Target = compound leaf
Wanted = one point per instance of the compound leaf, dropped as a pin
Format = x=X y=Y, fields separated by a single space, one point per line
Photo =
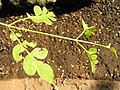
x=93 y=58
x=89 y=31
x=45 y=72
x=42 y=16
x=29 y=65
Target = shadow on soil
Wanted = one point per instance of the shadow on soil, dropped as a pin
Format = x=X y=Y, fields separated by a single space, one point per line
x=8 y=9
x=107 y=85
x=67 y=6
x=60 y=7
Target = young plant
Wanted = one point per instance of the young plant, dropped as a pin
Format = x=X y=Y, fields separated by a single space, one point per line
x=32 y=61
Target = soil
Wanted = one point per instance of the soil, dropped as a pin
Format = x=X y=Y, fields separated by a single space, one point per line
x=74 y=84
x=68 y=60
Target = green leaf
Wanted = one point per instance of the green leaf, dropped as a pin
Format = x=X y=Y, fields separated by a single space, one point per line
x=45 y=72
x=45 y=10
x=51 y=14
x=89 y=31
x=37 y=10
x=14 y=37
x=112 y=49
x=47 y=21
x=92 y=29
x=40 y=53
x=92 y=51
x=93 y=67
x=94 y=57
x=87 y=34
x=17 y=50
x=84 y=25
x=95 y=61
x=18 y=34
x=42 y=16
x=29 y=65
x=37 y=19
x=52 y=18
x=26 y=43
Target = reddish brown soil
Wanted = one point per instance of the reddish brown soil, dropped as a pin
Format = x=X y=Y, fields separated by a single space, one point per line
x=66 y=58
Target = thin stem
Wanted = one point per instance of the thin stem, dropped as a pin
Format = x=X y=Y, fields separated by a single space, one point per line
x=18 y=21
x=81 y=34
x=52 y=35
x=79 y=43
x=82 y=46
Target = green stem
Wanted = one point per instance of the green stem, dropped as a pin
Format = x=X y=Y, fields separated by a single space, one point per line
x=52 y=35
x=81 y=34
x=19 y=21
x=79 y=43
x=82 y=46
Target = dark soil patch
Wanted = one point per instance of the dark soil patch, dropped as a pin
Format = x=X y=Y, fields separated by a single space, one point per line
x=66 y=58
